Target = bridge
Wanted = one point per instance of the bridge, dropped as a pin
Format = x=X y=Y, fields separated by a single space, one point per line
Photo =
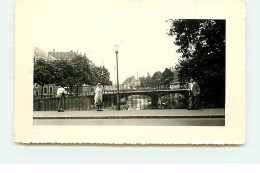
x=86 y=101
x=155 y=95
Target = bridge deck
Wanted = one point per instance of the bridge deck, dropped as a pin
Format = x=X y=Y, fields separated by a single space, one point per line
x=144 y=91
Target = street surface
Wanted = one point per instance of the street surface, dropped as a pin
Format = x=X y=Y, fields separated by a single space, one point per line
x=157 y=117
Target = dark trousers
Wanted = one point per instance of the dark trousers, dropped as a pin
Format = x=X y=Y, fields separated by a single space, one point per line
x=60 y=104
x=99 y=105
x=193 y=102
x=98 y=108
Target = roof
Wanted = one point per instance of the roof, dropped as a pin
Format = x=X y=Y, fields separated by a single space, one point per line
x=129 y=80
x=68 y=56
x=38 y=53
x=63 y=55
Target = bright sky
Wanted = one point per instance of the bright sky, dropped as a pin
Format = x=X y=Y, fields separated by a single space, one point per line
x=94 y=28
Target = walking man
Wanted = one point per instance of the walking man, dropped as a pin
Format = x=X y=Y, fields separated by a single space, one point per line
x=194 y=91
x=60 y=95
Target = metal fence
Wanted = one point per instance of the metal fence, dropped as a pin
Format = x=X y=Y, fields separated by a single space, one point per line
x=127 y=102
x=49 y=103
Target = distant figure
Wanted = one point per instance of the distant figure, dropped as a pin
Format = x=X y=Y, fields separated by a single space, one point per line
x=194 y=91
x=60 y=94
x=98 y=97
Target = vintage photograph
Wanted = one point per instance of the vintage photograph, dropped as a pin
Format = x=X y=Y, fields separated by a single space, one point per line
x=137 y=72
x=130 y=72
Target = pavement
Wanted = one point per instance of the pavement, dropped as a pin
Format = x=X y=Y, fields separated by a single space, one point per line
x=155 y=117
x=132 y=114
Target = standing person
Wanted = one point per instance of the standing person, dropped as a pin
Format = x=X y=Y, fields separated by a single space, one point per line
x=98 y=97
x=194 y=91
x=60 y=94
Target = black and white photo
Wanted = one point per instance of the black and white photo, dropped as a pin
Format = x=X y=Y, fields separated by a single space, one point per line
x=130 y=72
x=178 y=81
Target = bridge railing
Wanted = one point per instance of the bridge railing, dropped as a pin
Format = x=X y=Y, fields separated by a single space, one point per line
x=128 y=100
x=46 y=103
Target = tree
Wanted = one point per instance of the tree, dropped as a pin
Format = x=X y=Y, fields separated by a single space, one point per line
x=156 y=79
x=105 y=76
x=81 y=70
x=167 y=77
x=43 y=73
x=145 y=81
x=63 y=73
x=100 y=75
x=81 y=73
x=74 y=72
x=202 y=45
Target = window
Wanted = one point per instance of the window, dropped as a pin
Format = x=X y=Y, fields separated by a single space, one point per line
x=37 y=93
x=36 y=85
x=51 y=90
x=45 y=90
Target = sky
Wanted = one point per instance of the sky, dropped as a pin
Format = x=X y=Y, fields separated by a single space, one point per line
x=94 y=28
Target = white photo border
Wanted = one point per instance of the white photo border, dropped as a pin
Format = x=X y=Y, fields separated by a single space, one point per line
x=234 y=131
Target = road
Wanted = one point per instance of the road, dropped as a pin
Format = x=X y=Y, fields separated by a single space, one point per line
x=134 y=122
x=165 y=117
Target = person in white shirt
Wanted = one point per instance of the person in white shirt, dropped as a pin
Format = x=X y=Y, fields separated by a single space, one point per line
x=60 y=94
x=98 y=97
x=194 y=91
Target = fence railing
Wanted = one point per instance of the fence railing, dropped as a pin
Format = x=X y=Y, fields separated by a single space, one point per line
x=135 y=100
x=69 y=103
x=86 y=102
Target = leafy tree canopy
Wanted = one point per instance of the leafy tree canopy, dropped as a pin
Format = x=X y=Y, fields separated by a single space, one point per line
x=74 y=72
x=43 y=72
x=202 y=47
x=81 y=70
x=100 y=75
x=167 y=77
x=156 y=79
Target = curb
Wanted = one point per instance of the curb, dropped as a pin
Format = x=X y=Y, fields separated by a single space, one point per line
x=137 y=117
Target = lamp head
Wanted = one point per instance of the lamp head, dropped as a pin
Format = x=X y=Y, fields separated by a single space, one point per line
x=116 y=48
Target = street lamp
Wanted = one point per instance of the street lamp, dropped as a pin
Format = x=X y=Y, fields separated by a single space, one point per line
x=116 y=48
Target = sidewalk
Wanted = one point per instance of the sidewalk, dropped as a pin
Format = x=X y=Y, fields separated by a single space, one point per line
x=132 y=114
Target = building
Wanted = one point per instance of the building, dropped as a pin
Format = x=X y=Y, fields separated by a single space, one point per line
x=131 y=83
x=63 y=55
x=40 y=54
x=67 y=55
x=81 y=90
x=48 y=90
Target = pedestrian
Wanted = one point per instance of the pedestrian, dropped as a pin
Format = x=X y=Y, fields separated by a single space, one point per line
x=60 y=95
x=98 y=97
x=194 y=91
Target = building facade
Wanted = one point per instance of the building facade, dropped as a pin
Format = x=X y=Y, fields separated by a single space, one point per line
x=40 y=54
x=46 y=90
x=63 y=55
x=131 y=83
x=67 y=56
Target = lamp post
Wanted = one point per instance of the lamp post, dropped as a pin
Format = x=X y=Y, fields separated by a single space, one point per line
x=116 y=48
